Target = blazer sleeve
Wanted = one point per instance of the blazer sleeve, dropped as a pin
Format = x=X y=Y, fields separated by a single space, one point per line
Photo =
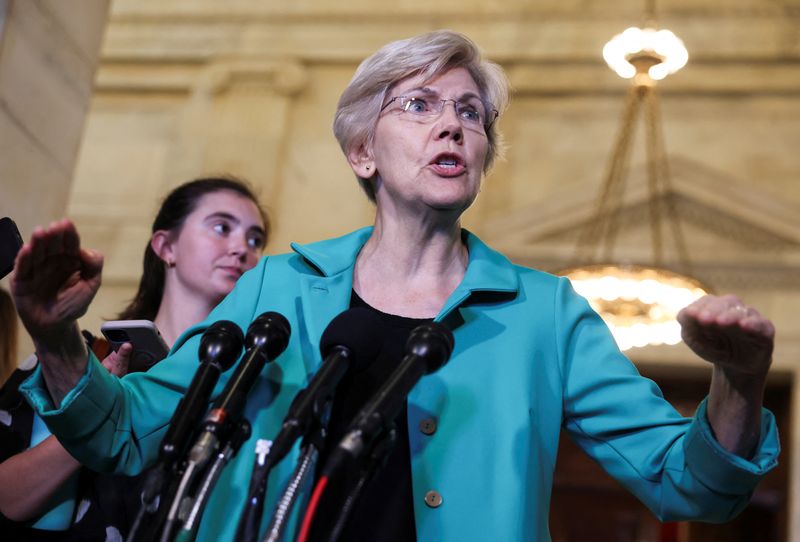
x=672 y=464
x=116 y=424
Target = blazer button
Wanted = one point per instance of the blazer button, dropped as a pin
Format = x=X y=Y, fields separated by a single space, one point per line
x=428 y=426
x=433 y=499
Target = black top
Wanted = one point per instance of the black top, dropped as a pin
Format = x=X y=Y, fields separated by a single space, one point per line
x=385 y=509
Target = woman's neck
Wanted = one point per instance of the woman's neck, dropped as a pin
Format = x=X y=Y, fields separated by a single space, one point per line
x=410 y=269
x=178 y=312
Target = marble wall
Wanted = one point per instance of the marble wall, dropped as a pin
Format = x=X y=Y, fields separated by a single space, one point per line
x=49 y=51
x=48 y=55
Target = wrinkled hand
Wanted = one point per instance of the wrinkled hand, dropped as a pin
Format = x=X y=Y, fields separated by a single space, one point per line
x=734 y=337
x=55 y=280
x=117 y=362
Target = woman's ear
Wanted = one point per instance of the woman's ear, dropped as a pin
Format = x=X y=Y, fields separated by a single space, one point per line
x=161 y=243
x=361 y=161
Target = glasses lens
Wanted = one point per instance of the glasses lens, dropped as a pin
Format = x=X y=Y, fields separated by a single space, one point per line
x=418 y=105
x=471 y=110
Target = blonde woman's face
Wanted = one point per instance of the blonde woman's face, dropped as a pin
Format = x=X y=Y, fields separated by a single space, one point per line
x=436 y=160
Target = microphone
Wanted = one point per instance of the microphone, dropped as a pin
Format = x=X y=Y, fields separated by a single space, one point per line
x=428 y=348
x=350 y=342
x=220 y=347
x=267 y=337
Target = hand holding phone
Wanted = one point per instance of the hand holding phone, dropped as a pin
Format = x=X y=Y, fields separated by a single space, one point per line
x=148 y=346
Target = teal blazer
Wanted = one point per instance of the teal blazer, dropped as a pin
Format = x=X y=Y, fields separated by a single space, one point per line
x=530 y=358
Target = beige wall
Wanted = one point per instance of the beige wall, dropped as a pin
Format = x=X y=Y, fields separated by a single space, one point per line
x=49 y=51
x=48 y=56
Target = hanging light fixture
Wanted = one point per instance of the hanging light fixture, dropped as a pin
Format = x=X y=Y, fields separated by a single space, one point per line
x=638 y=302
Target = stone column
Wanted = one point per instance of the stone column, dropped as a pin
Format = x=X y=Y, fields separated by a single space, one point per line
x=48 y=55
x=49 y=51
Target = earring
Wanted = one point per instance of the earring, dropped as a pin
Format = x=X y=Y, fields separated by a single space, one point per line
x=367 y=168
x=170 y=263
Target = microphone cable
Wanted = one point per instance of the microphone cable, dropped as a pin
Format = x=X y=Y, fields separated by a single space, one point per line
x=304 y=467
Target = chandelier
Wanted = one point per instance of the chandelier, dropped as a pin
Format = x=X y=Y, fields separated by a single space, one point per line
x=639 y=302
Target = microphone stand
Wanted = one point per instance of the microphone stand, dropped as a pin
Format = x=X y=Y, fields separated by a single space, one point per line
x=199 y=456
x=220 y=347
x=175 y=504
x=155 y=502
x=189 y=530
x=371 y=464
x=250 y=520
x=150 y=501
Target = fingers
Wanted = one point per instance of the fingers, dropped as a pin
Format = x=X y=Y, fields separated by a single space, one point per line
x=758 y=325
x=38 y=246
x=59 y=237
x=92 y=262
x=117 y=362
x=59 y=240
x=71 y=240
x=23 y=265
x=726 y=311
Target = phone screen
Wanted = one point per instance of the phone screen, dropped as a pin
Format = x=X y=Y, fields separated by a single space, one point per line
x=10 y=243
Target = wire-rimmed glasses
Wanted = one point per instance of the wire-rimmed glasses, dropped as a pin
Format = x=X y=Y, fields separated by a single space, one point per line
x=473 y=112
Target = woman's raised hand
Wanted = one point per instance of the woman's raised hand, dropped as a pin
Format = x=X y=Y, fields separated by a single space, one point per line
x=54 y=282
x=729 y=334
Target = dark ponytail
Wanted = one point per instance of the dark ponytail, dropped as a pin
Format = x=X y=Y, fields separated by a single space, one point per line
x=178 y=204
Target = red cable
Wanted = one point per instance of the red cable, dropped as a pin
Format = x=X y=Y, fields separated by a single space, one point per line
x=312 y=507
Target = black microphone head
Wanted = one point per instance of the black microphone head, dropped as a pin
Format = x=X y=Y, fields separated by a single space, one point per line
x=221 y=344
x=432 y=342
x=269 y=329
x=359 y=330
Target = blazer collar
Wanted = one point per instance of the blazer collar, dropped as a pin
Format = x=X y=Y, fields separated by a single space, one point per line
x=333 y=256
x=487 y=270
x=327 y=293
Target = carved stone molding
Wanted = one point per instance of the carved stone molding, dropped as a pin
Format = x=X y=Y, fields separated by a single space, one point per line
x=283 y=76
x=254 y=75
x=737 y=237
x=508 y=31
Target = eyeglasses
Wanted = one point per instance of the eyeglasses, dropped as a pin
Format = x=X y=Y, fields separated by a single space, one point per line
x=472 y=111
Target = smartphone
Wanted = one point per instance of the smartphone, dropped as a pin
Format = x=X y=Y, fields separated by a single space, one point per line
x=10 y=243
x=148 y=346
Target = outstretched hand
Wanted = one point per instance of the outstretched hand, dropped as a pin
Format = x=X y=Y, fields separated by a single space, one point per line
x=734 y=337
x=54 y=282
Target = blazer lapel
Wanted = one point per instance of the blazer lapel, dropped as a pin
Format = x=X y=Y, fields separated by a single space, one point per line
x=322 y=299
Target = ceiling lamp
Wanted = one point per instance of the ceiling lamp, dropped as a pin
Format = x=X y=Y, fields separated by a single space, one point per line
x=639 y=302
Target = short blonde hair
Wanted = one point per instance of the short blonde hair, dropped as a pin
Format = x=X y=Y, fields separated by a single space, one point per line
x=428 y=55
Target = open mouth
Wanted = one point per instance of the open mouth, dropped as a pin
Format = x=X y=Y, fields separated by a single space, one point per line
x=448 y=163
x=448 y=160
